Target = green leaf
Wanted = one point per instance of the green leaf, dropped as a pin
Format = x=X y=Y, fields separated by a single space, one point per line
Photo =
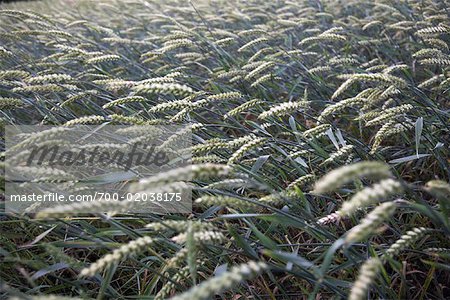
x=265 y=240
x=241 y=242
x=419 y=127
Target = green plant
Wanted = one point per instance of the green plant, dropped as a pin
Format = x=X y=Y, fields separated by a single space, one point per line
x=351 y=96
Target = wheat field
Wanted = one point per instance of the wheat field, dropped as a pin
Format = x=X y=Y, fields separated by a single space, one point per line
x=320 y=135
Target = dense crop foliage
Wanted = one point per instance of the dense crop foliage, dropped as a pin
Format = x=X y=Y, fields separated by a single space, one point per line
x=321 y=146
